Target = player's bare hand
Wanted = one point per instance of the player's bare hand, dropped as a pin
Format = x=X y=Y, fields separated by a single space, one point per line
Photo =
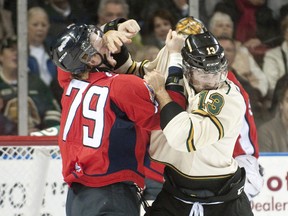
x=130 y=28
x=155 y=80
x=115 y=39
x=174 y=42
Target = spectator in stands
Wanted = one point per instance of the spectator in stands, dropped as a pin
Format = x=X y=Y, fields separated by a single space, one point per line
x=255 y=25
x=229 y=47
x=283 y=11
x=206 y=9
x=111 y=9
x=148 y=52
x=7 y=127
x=276 y=6
x=178 y=8
x=134 y=12
x=159 y=25
x=62 y=13
x=90 y=6
x=12 y=7
x=6 y=24
x=273 y=135
x=43 y=111
x=221 y=24
x=183 y=8
x=39 y=61
x=260 y=112
x=276 y=60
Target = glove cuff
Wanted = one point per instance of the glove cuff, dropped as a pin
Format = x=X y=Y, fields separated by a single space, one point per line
x=113 y=25
x=121 y=57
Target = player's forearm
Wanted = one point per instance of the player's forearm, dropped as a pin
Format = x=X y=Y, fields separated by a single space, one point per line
x=168 y=112
x=168 y=108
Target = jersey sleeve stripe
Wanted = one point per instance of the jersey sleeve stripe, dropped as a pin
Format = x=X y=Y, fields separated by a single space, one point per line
x=214 y=119
x=190 y=140
x=132 y=68
x=141 y=68
x=229 y=87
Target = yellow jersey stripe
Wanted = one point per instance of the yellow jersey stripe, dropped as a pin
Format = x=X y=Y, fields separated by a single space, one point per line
x=214 y=119
x=132 y=68
x=190 y=140
x=141 y=68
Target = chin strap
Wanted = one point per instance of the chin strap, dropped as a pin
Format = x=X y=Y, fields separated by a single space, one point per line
x=104 y=61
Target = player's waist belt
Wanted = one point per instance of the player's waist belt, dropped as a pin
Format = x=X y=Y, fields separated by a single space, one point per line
x=211 y=183
x=229 y=190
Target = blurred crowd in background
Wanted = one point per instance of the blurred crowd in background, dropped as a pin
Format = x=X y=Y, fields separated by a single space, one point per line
x=253 y=33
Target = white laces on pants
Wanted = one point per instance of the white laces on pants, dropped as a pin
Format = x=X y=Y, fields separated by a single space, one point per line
x=197 y=207
x=197 y=210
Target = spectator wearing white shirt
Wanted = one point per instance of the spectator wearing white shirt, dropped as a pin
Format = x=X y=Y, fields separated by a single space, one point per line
x=39 y=61
x=276 y=60
x=221 y=24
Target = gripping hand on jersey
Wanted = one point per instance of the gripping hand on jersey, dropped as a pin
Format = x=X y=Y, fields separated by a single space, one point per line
x=174 y=42
x=156 y=81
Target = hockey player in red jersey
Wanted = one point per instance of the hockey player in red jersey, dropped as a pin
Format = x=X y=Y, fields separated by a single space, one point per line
x=104 y=123
x=99 y=109
x=246 y=151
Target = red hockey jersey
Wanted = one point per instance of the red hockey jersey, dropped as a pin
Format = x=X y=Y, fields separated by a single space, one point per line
x=103 y=130
x=247 y=142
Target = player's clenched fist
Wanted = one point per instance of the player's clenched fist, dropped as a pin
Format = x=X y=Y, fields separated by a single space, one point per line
x=114 y=39
x=129 y=27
